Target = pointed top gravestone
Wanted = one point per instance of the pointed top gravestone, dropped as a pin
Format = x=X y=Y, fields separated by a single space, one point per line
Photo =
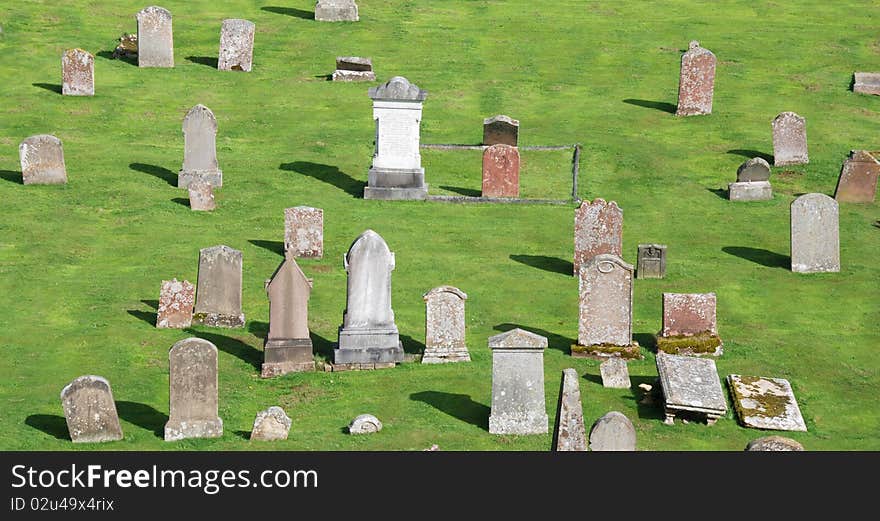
x=517 y=339
x=218 y=295
x=200 y=149
x=288 y=347
x=598 y=229
x=789 y=140
x=518 y=405
x=77 y=73
x=696 y=81
x=42 y=161
x=815 y=234
x=236 y=45
x=90 y=411
x=155 y=38
x=193 y=391
x=570 y=431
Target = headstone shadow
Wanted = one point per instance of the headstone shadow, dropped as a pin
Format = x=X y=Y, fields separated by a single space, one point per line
x=233 y=346
x=459 y=406
x=554 y=341
x=467 y=192
x=328 y=174
x=290 y=11
x=646 y=340
x=720 y=192
x=749 y=154
x=54 y=87
x=51 y=424
x=210 y=61
x=146 y=316
x=12 y=176
x=108 y=55
x=182 y=201
x=546 y=263
x=273 y=246
x=759 y=256
x=322 y=346
x=157 y=171
x=647 y=410
x=411 y=345
x=144 y=416
x=656 y=105
x=152 y=303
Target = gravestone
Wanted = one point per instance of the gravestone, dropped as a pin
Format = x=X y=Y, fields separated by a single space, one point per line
x=218 y=296
x=201 y=196
x=615 y=374
x=598 y=229
x=193 y=391
x=500 y=130
x=127 y=47
x=90 y=410
x=445 y=326
x=867 y=83
x=396 y=172
x=271 y=425
x=288 y=347
x=176 y=300
x=570 y=432
x=790 y=140
x=689 y=325
x=651 y=261
x=155 y=38
x=765 y=403
x=500 y=171
x=368 y=333
x=858 y=178
x=42 y=161
x=774 y=444
x=77 y=73
x=613 y=432
x=696 y=84
x=752 y=182
x=353 y=68
x=605 y=309
x=336 y=11
x=815 y=234
x=518 y=405
x=200 y=149
x=236 y=45
x=364 y=424
x=304 y=232
x=690 y=386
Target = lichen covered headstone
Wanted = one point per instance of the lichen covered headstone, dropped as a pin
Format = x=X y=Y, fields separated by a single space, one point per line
x=218 y=296
x=271 y=425
x=304 y=232
x=774 y=444
x=42 y=161
x=364 y=424
x=571 y=435
x=765 y=403
x=613 y=432
x=193 y=391
x=201 y=196
x=176 y=299
x=696 y=85
x=518 y=405
x=790 y=140
x=689 y=325
x=815 y=234
x=445 y=326
x=155 y=37
x=90 y=411
x=598 y=229
x=615 y=373
x=336 y=11
x=236 y=45
x=605 y=309
x=77 y=73
x=500 y=171
x=690 y=386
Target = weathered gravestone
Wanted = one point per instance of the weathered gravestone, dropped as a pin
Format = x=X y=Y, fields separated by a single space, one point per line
x=867 y=83
x=789 y=140
x=396 y=172
x=353 y=68
x=201 y=196
x=651 y=262
x=288 y=347
x=500 y=171
x=690 y=387
x=368 y=334
x=613 y=432
x=364 y=424
x=218 y=296
x=765 y=403
x=815 y=234
x=570 y=432
x=42 y=161
x=236 y=45
x=193 y=391
x=304 y=232
x=858 y=178
x=200 y=149
x=615 y=374
x=500 y=130
x=176 y=300
x=155 y=38
x=598 y=229
x=127 y=47
x=774 y=444
x=696 y=84
x=77 y=73
x=752 y=182
x=271 y=425
x=90 y=410
x=605 y=309
x=336 y=11
x=518 y=405
x=689 y=325
x=445 y=326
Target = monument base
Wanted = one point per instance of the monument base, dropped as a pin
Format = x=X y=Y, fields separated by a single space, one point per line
x=287 y=356
x=396 y=184
x=218 y=320
x=703 y=344
x=692 y=111
x=345 y=75
x=368 y=346
x=603 y=351
x=336 y=13
x=212 y=177
x=518 y=424
x=178 y=430
x=444 y=355
x=750 y=191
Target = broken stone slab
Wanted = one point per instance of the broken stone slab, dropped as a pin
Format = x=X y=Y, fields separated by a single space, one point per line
x=336 y=11
x=90 y=411
x=570 y=432
x=42 y=161
x=615 y=374
x=613 y=432
x=176 y=300
x=866 y=83
x=270 y=425
x=765 y=403
x=353 y=68
x=341 y=75
x=365 y=424
x=774 y=444
x=690 y=385
x=201 y=196
x=750 y=191
x=127 y=47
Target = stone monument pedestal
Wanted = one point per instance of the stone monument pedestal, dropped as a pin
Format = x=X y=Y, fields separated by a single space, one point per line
x=368 y=346
x=396 y=184
x=750 y=191
x=179 y=430
x=287 y=356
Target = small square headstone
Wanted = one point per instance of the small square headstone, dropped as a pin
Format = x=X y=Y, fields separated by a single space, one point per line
x=867 y=83
x=201 y=196
x=651 y=261
x=615 y=374
x=42 y=161
x=353 y=68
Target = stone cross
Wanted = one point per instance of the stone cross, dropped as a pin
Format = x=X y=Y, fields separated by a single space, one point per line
x=858 y=178
x=689 y=325
x=613 y=432
x=77 y=73
x=500 y=130
x=90 y=410
x=605 y=310
x=518 y=405
x=42 y=161
x=200 y=149
x=336 y=11
x=445 y=326
x=598 y=228
x=651 y=261
x=304 y=232
x=696 y=82
x=500 y=171
x=570 y=432
x=288 y=347
x=236 y=45
x=815 y=234
x=155 y=38
x=176 y=300
x=193 y=391
x=218 y=296
x=789 y=140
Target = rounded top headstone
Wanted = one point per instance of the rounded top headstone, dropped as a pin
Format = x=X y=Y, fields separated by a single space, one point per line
x=613 y=432
x=755 y=169
x=365 y=424
x=774 y=444
x=398 y=88
x=446 y=289
x=88 y=379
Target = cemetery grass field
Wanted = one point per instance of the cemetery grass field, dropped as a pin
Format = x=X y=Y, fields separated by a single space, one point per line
x=82 y=263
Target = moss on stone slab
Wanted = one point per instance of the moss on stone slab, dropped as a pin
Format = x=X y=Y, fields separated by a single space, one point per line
x=603 y=351
x=701 y=344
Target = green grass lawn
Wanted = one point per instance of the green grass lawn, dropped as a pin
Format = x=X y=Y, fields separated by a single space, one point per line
x=82 y=263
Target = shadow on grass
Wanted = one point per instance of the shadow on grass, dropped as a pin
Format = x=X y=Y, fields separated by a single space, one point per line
x=459 y=406
x=273 y=246
x=156 y=171
x=322 y=346
x=646 y=340
x=146 y=316
x=152 y=303
x=551 y=264
x=182 y=201
x=233 y=346
x=144 y=416
x=656 y=105
x=258 y=329
x=12 y=176
x=108 y=55
x=51 y=424
x=759 y=256
x=411 y=345
x=751 y=154
x=647 y=410
x=54 y=87
x=329 y=174
x=467 y=192
x=877 y=224
x=210 y=61
x=554 y=341
x=325 y=77
x=720 y=192
x=290 y=11
x=244 y=435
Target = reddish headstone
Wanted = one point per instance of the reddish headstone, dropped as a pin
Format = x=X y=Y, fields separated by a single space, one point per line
x=858 y=178
x=689 y=325
x=77 y=73
x=696 y=82
x=598 y=229
x=501 y=171
x=789 y=140
x=304 y=232
x=176 y=300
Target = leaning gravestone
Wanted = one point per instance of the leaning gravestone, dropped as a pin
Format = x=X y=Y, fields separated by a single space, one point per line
x=444 y=326
x=815 y=234
x=200 y=149
x=271 y=425
x=353 y=68
x=598 y=229
x=218 y=296
x=696 y=81
x=201 y=196
x=774 y=444
x=193 y=391
x=42 y=161
x=765 y=403
x=500 y=171
x=364 y=424
x=689 y=325
x=288 y=347
x=605 y=309
x=651 y=261
x=866 y=83
x=90 y=410
x=368 y=334
x=613 y=432
x=396 y=172
x=789 y=140
x=155 y=38
x=304 y=232
x=752 y=182
x=336 y=11
x=500 y=130
x=690 y=386
x=615 y=374
x=175 y=304
x=518 y=405
x=570 y=432
x=236 y=45
x=858 y=178
x=77 y=73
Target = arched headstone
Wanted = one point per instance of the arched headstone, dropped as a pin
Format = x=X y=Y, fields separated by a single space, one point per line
x=815 y=234
x=193 y=391
x=696 y=85
x=155 y=38
x=200 y=149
